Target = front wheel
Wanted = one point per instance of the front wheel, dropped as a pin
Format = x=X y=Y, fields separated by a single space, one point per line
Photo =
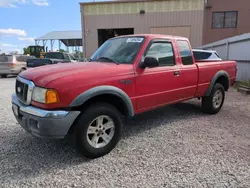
x=22 y=69
x=213 y=103
x=97 y=130
x=4 y=75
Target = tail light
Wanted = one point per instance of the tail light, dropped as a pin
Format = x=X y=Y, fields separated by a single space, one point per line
x=11 y=64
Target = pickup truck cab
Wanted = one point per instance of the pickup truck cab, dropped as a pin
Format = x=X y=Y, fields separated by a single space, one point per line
x=126 y=76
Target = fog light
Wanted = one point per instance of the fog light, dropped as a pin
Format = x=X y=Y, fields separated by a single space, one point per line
x=53 y=115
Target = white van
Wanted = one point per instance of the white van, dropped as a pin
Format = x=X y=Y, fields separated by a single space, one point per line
x=12 y=64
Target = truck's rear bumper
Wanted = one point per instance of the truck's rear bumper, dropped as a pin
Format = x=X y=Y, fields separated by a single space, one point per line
x=43 y=123
x=5 y=72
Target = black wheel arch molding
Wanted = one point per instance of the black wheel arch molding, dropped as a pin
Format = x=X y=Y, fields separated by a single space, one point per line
x=217 y=76
x=102 y=90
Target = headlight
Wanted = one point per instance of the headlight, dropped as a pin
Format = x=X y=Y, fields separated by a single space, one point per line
x=46 y=96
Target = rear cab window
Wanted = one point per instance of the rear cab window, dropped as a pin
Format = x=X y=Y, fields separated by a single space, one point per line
x=54 y=55
x=186 y=52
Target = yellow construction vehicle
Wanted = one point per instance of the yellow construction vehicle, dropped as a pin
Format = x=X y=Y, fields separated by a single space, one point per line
x=37 y=51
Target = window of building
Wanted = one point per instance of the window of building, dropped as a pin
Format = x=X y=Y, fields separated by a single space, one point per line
x=225 y=19
x=186 y=53
x=163 y=51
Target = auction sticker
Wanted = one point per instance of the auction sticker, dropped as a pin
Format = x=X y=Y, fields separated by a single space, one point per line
x=135 y=39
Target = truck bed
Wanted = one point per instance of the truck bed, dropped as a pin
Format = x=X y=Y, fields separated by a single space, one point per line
x=207 y=71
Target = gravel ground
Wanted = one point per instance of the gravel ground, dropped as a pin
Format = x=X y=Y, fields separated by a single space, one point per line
x=177 y=146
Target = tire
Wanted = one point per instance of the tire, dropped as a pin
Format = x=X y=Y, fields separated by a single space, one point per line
x=22 y=69
x=83 y=141
x=218 y=96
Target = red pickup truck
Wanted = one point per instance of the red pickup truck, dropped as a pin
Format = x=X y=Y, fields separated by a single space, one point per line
x=126 y=76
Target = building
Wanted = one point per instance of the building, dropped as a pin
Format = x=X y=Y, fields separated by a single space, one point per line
x=202 y=21
x=225 y=18
x=102 y=20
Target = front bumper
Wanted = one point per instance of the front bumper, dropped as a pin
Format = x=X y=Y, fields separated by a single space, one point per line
x=43 y=123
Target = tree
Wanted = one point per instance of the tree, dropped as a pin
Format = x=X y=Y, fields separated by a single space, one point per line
x=26 y=51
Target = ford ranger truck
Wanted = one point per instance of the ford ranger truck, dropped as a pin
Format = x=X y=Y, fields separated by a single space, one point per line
x=126 y=76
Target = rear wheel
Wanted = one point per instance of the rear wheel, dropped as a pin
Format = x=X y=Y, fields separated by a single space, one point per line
x=213 y=103
x=98 y=130
x=22 y=69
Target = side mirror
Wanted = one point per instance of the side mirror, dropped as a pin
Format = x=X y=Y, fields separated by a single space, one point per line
x=149 y=62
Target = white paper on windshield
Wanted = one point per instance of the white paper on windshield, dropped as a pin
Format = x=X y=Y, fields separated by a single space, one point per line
x=135 y=39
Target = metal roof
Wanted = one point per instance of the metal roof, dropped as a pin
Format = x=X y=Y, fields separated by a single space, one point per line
x=237 y=38
x=61 y=35
x=69 y=38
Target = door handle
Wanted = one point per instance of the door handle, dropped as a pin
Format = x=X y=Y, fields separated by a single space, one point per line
x=177 y=73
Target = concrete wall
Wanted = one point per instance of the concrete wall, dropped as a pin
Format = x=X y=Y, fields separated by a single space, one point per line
x=243 y=26
x=168 y=13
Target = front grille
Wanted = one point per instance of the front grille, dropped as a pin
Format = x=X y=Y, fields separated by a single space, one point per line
x=24 y=90
x=21 y=90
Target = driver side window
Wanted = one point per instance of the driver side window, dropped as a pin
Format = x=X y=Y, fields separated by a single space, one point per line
x=163 y=51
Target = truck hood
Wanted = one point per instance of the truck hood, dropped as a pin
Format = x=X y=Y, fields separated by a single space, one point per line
x=42 y=76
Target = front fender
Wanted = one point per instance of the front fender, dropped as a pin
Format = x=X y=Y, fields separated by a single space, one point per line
x=100 y=90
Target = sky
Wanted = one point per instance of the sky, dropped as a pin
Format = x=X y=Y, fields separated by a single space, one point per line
x=24 y=20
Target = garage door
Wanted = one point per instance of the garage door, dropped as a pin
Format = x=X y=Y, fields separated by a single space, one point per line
x=178 y=31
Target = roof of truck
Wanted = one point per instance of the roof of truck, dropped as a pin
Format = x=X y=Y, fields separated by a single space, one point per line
x=154 y=36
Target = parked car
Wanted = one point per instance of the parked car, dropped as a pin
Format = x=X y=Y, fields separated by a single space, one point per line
x=206 y=55
x=51 y=58
x=126 y=76
x=13 y=64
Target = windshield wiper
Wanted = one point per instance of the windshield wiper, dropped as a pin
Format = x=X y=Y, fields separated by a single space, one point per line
x=109 y=59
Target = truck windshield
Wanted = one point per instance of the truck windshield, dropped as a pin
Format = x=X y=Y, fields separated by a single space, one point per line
x=122 y=50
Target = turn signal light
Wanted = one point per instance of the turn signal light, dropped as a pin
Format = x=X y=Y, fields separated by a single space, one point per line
x=51 y=97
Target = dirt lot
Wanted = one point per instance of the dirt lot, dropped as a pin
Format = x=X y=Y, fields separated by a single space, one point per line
x=177 y=146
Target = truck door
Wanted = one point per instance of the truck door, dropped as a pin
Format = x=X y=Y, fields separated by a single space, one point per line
x=158 y=86
x=188 y=71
